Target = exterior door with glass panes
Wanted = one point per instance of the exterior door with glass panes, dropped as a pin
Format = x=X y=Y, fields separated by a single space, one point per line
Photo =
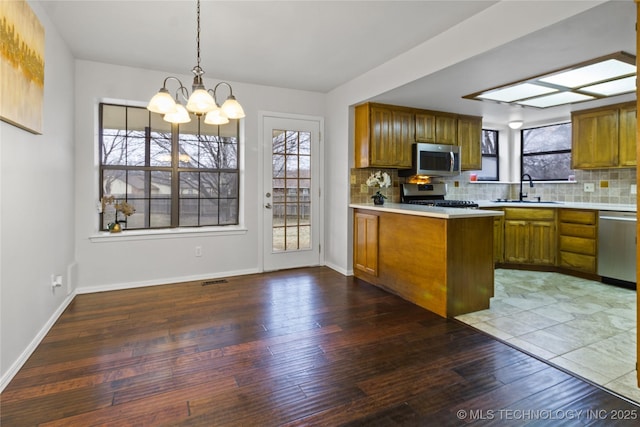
x=291 y=192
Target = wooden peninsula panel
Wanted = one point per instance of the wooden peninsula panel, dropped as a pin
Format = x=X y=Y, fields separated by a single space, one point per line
x=443 y=265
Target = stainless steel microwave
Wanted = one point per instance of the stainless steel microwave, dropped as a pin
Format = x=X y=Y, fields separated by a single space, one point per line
x=433 y=160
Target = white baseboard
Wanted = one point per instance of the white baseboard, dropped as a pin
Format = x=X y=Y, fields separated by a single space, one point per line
x=164 y=281
x=339 y=269
x=22 y=359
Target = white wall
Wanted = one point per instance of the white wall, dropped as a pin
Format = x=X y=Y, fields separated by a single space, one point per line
x=37 y=215
x=122 y=262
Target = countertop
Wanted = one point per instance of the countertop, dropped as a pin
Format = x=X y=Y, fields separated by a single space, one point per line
x=429 y=211
x=484 y=208
x=487 y=204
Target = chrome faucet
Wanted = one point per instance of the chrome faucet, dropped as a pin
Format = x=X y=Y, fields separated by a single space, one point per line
x=523 y=195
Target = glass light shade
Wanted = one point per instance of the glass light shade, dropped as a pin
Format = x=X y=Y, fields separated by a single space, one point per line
x=519 y=91
x=591 y=74
x=232 y=108
x=200 y=102
x=180 y=116
x=555 y=99
x=162 y=103
x=216 y=117
x=615 y=87
x=516 y=124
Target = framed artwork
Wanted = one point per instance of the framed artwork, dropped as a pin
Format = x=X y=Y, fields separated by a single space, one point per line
x=21 y=66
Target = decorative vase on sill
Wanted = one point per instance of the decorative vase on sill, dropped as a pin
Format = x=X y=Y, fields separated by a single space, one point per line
x=378 y=198
x=115 y=227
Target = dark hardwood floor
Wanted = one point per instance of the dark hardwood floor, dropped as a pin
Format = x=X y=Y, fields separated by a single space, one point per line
x=298 y=347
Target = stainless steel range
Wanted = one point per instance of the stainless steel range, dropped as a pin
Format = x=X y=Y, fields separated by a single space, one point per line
x=431 y=195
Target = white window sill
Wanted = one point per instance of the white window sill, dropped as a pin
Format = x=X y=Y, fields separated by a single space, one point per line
x=167 y=233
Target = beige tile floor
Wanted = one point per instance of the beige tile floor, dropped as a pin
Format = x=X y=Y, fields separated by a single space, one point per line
x=585 y=327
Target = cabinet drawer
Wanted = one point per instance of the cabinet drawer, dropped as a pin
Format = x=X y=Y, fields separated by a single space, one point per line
x=578 y=230
x=528 y=213
x=577 y=216
x=578 y=261
x=578 y=245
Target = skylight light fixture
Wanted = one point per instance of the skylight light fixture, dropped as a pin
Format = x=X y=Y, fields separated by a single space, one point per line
x=609 y=75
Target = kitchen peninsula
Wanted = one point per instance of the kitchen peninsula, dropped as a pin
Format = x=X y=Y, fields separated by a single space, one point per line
x=438 y=258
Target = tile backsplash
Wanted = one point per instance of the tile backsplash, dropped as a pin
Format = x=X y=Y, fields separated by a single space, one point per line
x=610 y=186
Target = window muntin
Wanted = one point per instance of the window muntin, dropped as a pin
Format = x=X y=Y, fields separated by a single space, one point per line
x=174 y=175
x=490 y=158
x=546 y=152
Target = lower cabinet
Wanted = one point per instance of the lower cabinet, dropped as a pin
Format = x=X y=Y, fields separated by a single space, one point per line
x=578 y=239
x=530 y=236
x=498 y=239
x=365 y=239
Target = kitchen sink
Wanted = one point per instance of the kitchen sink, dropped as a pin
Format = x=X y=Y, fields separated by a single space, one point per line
x=524 y=201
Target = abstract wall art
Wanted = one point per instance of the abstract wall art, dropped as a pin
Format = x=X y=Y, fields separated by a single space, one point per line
x=21 y=66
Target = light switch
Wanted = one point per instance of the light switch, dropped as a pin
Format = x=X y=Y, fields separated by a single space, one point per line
x=589 y=187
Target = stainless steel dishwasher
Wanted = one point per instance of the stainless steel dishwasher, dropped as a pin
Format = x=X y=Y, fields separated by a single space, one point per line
x=617 y=245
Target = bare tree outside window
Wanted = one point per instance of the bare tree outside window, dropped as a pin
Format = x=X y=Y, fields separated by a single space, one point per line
x=546 y=152
x=490 y=159
x=174 y=176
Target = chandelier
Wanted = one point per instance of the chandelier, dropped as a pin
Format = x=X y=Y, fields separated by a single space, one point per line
x=201 y=102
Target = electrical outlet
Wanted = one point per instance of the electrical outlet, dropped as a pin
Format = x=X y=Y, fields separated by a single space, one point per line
x=634 y=189
x=589 y=187
x=56 y=280
x=364 y=188
x=354 y=180
x=198 y=251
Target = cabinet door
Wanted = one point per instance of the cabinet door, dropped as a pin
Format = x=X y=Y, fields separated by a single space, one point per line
x=498 y=239
x=543 y=244
x=516 y=241
x=469 y=140
x=403 y=136
x=381 y=147
x=392 y=136
x=595 y=139
x=628 y=136
x=365 y=249
x=425 y=127
x=446 y=130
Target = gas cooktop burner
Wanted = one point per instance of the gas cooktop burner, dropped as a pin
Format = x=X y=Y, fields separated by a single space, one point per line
x=445 y=203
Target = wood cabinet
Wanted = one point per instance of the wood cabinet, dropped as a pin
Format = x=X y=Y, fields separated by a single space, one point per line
x=604 y=137
x=385 y=133
x=365 y=243
x=436 y=128
x=529 y=236
x=443 y=265
x=498 y=239
x=383 y=136
x=470 y=142
x=628 y=135
x=578 y=239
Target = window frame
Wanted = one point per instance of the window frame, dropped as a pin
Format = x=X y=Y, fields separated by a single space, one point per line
x=496 y=156
x=175 y=171
x=542 y=153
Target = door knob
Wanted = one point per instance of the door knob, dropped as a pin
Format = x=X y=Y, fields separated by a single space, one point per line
x=268 y=206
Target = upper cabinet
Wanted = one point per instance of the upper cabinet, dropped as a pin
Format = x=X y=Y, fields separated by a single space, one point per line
x=383 y=136
x=470 y=142
x=436 y=128
x=604 y=137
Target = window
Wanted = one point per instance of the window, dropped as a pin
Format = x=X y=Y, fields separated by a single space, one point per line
x=490 y=170
x=174 y=175
x=546 y=152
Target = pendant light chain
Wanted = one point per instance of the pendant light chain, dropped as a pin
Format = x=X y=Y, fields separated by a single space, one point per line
x=198 y=35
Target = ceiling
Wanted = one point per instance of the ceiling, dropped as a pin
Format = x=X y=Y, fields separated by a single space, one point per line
x=320 y=45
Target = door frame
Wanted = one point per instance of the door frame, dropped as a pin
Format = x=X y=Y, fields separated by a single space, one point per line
x=262 y=115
